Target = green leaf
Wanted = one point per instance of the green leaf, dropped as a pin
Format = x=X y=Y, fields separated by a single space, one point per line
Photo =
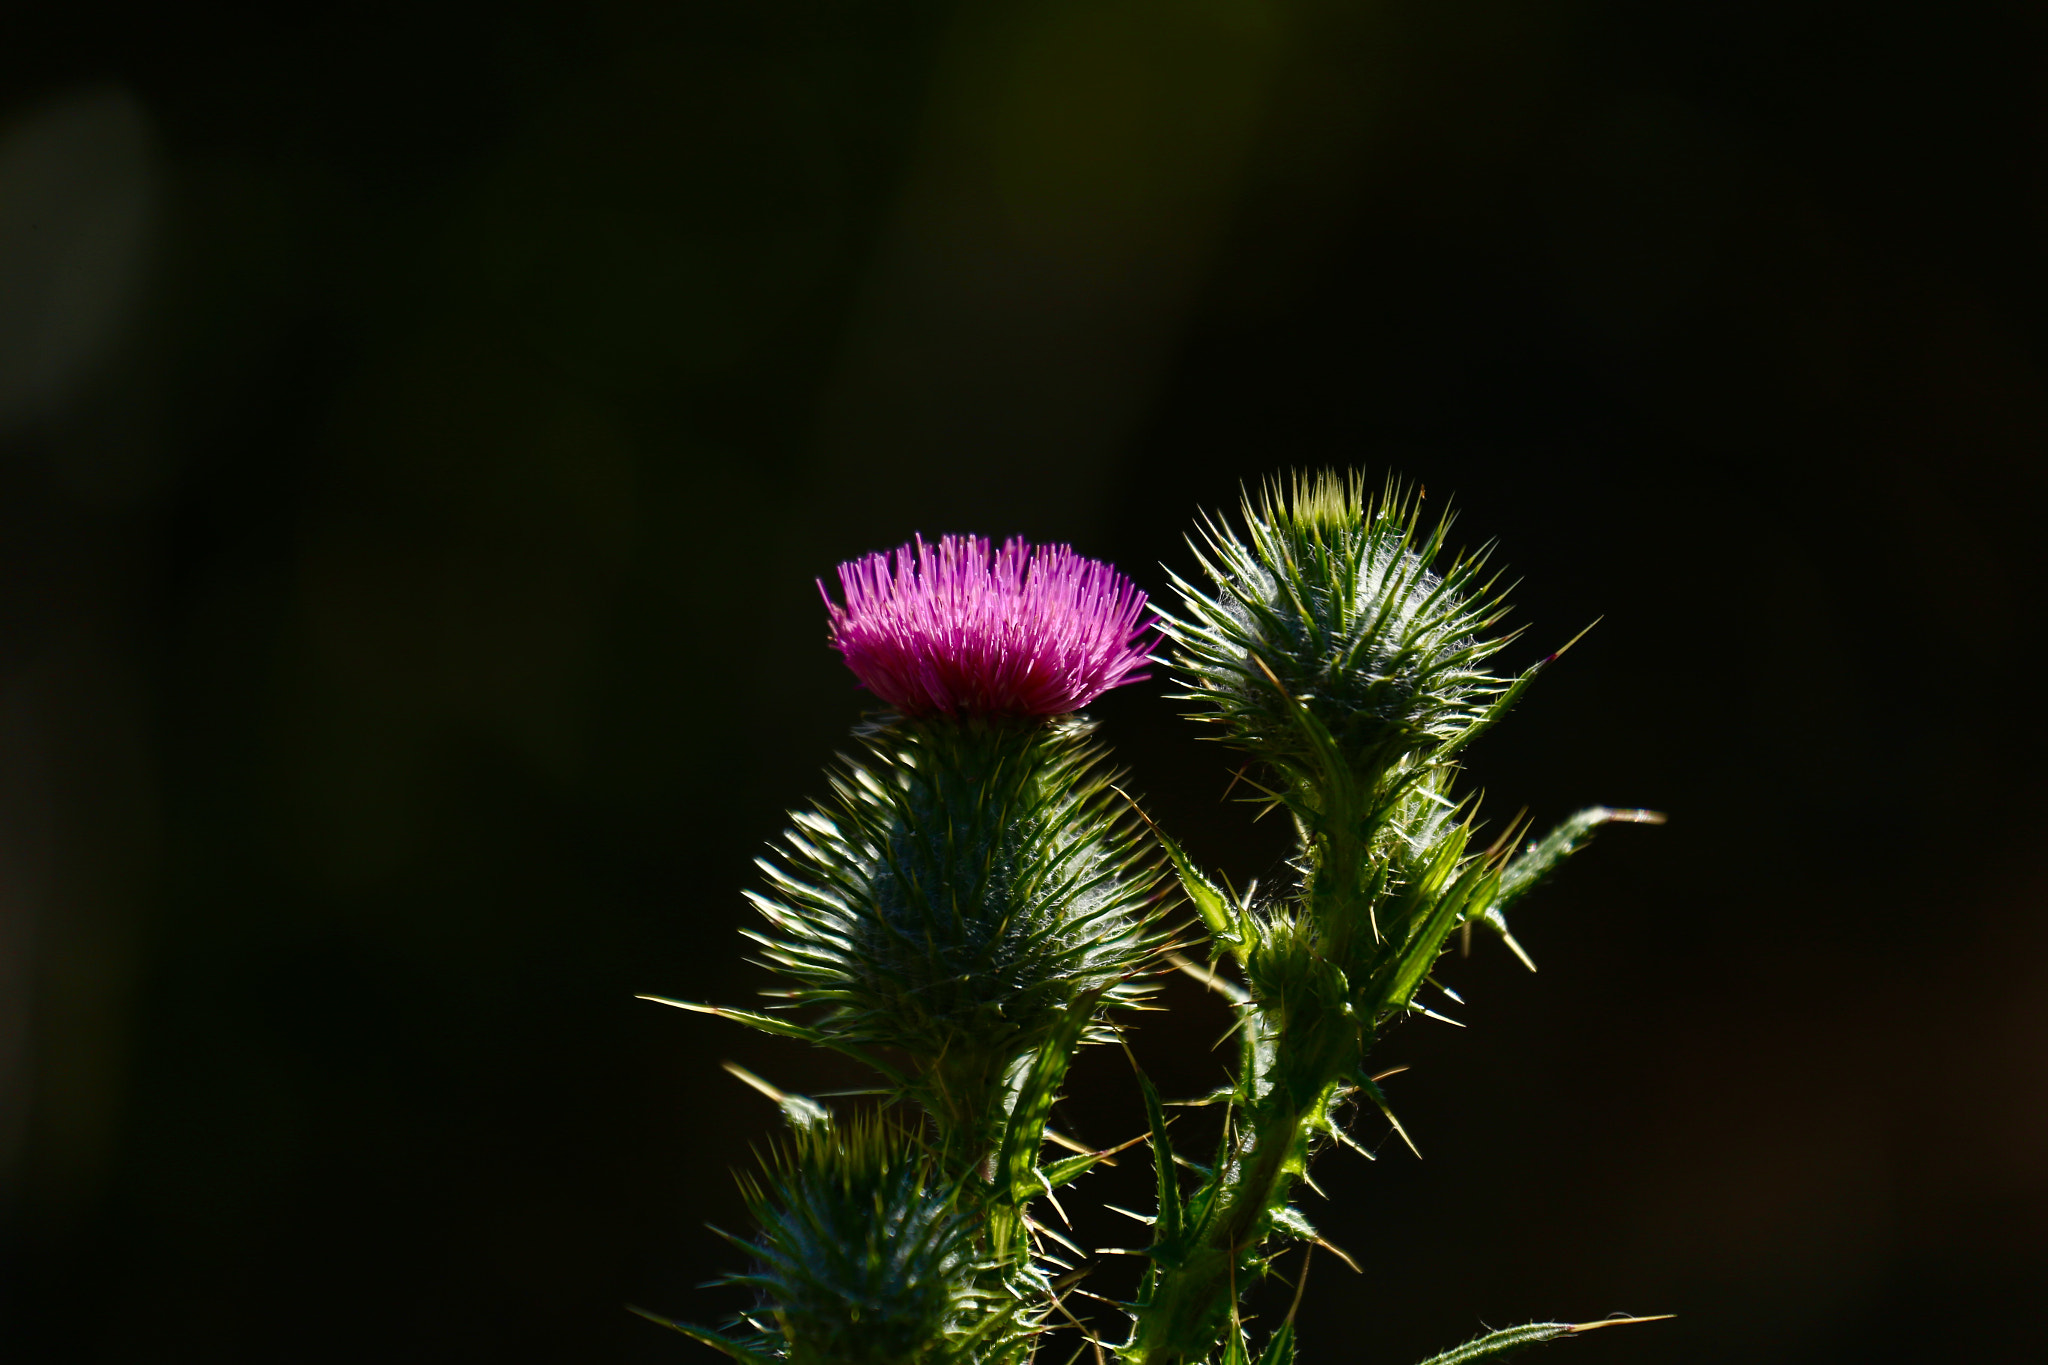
x=1069 y=1169
x=1327 y=758
x=1024 y=1133
x=1166 y=1236
x=1504 y=1342
x=1505 y=702
x=1207 y=898
x=1294 y=1223
x=1204 y=894
x=1543 y=856
x=1280 y=1346
x=1508 y=1340
x=1474 y=883
x=1534 y=864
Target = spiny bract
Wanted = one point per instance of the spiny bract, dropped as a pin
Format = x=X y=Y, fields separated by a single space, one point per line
x=966 y=886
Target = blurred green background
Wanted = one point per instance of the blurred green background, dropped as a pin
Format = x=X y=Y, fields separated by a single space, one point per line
x=421 y=426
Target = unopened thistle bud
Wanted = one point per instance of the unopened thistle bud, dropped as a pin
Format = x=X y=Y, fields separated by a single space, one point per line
x=864 y=1256
x=1329 y=613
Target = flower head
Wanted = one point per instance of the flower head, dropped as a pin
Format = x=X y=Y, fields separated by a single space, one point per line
x=958 y=629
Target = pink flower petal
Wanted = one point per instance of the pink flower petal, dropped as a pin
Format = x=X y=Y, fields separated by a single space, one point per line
x=955 y=629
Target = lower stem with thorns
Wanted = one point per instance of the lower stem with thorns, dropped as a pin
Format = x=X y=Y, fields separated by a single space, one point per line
x=1294 y=1064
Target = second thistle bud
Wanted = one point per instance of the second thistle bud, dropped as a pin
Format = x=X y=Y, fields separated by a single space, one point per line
x=1328 y=613
x=865 y=1257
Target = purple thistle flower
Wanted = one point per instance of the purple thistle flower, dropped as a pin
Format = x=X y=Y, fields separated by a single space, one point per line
x=957 y=630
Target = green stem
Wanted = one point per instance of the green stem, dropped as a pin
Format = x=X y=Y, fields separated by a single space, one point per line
x=1292 y=1071
x=1302 y=1040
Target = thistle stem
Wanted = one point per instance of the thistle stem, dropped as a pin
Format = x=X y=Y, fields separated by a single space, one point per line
x=1281 y=1104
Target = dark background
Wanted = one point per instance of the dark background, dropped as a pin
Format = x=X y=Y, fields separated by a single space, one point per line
x=421 y=425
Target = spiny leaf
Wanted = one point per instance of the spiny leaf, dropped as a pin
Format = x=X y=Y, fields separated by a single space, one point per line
x=1280 y=1346
x=1474 y=884
x=743 y=1354
x=1024 y=1133
x=1167 y=1229
x=1542 y=857
x=1508 y=1340
x=1203 y=894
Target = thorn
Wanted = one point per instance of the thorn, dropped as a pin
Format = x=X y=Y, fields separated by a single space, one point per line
x=1054 y=1200
x=1507 y=833
x=1281 y=687
x=1236 y=777
x=1345 y=1139
x=1088 y=1336
x=1107 y=1152
x=1053 y=1233
x=1136 y=809
x=1390 y=1071
x=1224 y=987
x=1340 y=1254
x=1301 y=1283
x=681 y=1004
x=1516 y=949
x=749 y=1078
x=1388 y=1110
x=1073 y=1277
x=1618 y=1322
x=1087 y=1294
x=1559 y=652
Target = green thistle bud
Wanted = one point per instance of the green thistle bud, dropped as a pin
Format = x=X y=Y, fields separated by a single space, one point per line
x=865 y=1256
x=1328 y=628
x=967 y=886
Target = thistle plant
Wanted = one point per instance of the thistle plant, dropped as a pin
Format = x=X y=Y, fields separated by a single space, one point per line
x=961 y=915
x=976 y=900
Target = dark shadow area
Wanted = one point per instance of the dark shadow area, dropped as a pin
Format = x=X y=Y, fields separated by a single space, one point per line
x=421 y=427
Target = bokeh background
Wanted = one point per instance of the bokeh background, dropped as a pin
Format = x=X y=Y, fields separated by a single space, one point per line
x=421 y=426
